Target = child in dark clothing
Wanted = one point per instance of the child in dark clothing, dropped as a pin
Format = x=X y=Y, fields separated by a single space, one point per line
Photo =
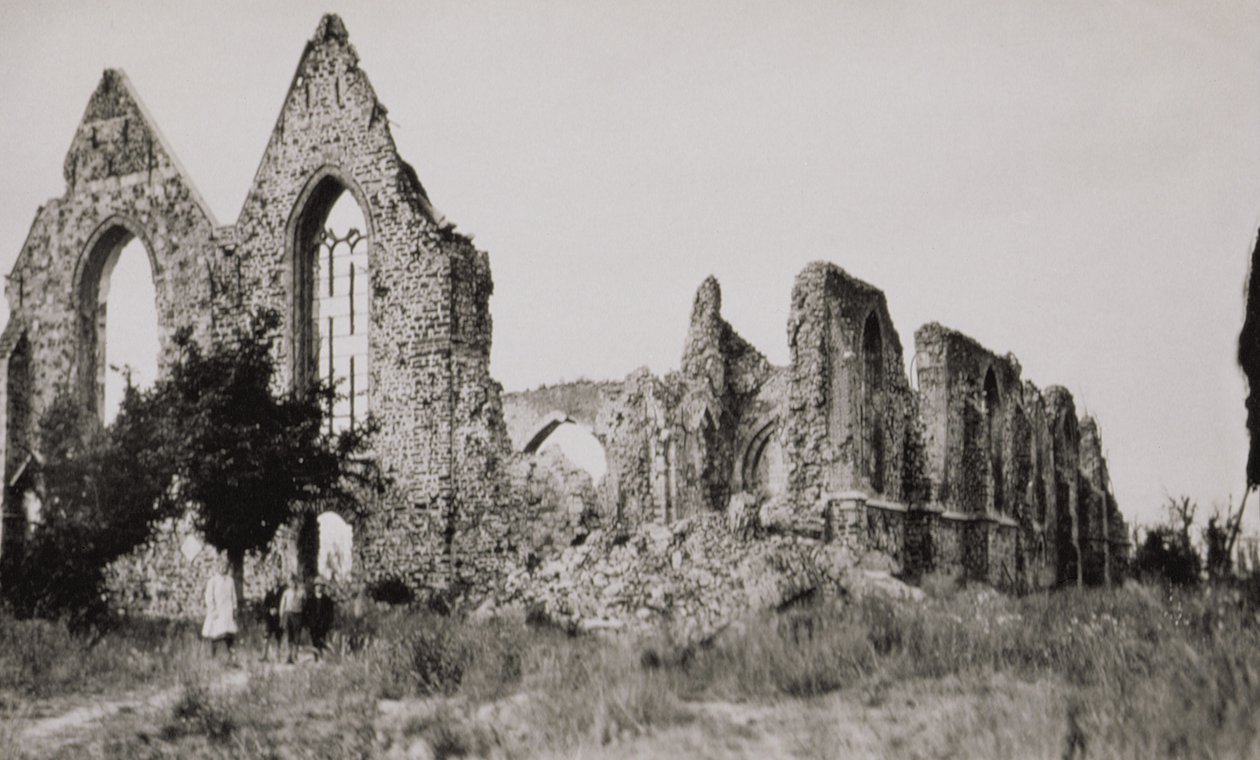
x=270 y=614
x=319 y=617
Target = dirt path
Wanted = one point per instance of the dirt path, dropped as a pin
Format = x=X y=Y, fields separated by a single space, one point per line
x=48 y=733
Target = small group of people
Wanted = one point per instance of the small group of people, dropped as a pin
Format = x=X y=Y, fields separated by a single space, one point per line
x=287 y=611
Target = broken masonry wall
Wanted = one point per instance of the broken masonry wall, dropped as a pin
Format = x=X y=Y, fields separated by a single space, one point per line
x=638 y=430
x=1066 y=439
x=980 y=453
x=1039 y=515
x=964 y=390
x=675 y=446
x=167 y=575
x=760 y=467
x=721 y=375
x=122 y=183
x=442 y=434
x=531 y=415
x=555 y=502
x=849 y=405
x=443 y=439
x=1101 y=551
x=634 y=421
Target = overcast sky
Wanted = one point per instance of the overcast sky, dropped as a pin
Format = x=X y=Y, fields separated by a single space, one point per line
x=1075 y=182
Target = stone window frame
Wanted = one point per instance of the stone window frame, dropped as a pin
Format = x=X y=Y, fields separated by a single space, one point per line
x=301 y=354
x=873 y=401
x=95 y=265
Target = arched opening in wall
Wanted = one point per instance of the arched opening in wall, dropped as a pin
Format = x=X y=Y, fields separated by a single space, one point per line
x=330 y=299
x=118 y=319
x=336 y=547
x=873 y=401
x=18 y=481
x=994 y=429
x=764 y=470
x=325 y=547
x=576 y=442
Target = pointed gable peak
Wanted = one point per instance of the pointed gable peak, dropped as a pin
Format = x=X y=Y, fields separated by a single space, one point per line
x=118 y=137
x=113 y=97
x=331 y=29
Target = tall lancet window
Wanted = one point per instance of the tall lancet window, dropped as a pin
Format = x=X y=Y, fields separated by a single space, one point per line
x=332 y=301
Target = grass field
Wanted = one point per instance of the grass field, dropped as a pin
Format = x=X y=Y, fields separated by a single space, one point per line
x=1127 y=673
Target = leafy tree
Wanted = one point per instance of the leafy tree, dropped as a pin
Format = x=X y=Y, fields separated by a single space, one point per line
x=103 y=491
x=249 y=459
x=212 y=436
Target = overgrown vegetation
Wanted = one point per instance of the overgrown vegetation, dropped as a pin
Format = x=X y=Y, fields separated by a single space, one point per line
x=103 y=491
x=214 y=436
x=246 y=457
x=1134 y=672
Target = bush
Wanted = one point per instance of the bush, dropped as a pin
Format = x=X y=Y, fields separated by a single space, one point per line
x=200 y=713
x=438 y=659
x=1167 y=556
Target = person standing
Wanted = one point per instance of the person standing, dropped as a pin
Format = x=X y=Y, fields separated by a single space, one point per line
x=220 y=624
x=273 y=632
x=319 y=617
x=291 y=603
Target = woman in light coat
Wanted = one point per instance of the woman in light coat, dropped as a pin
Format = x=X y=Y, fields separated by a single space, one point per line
x=220 y=622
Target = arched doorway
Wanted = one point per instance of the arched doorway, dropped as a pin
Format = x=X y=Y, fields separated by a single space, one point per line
x=325 y=547
x=331 y=297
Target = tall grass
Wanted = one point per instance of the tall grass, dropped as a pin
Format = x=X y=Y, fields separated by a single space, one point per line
x=41 y=659
x=1140 y=673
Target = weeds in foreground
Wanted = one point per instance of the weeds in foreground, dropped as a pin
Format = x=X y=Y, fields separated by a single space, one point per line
x=41 y=659
x=1131 y=673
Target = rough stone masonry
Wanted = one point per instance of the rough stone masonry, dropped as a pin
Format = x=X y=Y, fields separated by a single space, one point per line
x=970 y=470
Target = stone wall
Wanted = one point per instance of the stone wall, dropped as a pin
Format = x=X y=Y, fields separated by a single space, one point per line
x=972 y=471
x=443 y=441
x=849 y=407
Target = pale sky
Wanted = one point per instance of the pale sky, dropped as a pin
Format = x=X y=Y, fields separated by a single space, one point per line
x=1075 y=182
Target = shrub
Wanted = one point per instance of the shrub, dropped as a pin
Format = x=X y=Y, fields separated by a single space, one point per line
x=438 y=659
x=199 y=712
x=1166 y=555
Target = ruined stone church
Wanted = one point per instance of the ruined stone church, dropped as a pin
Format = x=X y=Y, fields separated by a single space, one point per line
x=962 y=466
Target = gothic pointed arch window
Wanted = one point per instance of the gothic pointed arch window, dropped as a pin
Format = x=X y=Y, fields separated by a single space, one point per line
x=118 y=316
x=873 y=401
x=994 y=418
x=330 y=305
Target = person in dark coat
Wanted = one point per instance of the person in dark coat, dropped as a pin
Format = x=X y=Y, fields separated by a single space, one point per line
x=273 y=632
x=319 y=617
